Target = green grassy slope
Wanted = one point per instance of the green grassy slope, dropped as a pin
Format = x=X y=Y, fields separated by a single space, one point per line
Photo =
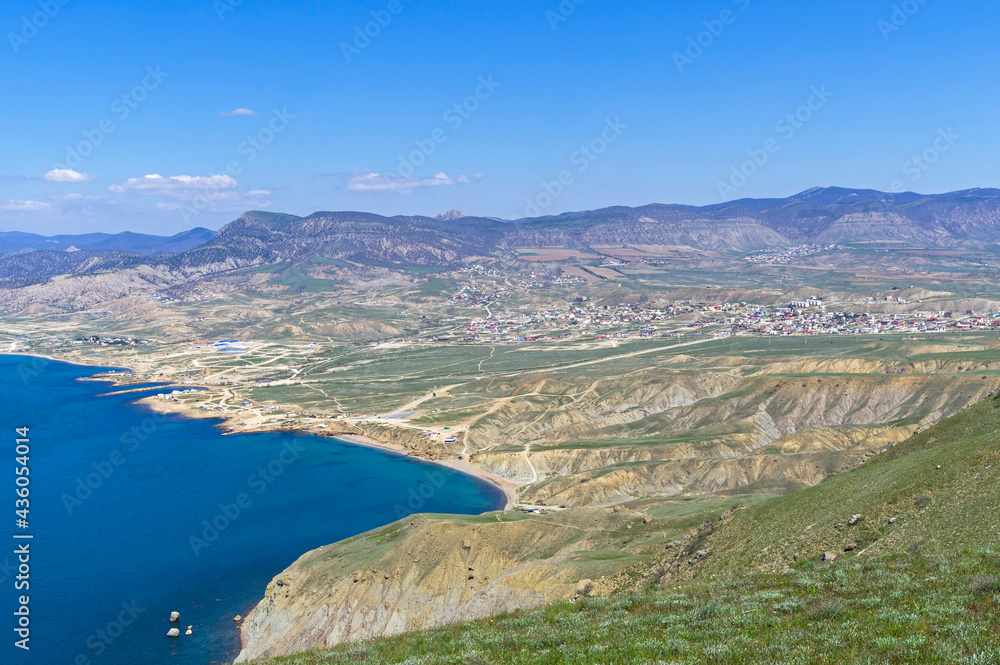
x=923 y=589
x=941 y=487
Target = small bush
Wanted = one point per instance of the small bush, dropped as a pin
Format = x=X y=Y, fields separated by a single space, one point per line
x=705 y=611
x=982 y=586
x=825 y=608
x=788 y=606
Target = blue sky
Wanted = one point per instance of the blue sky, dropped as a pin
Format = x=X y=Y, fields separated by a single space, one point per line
x=572 y=105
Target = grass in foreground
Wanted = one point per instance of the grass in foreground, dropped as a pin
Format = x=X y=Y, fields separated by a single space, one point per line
x=904 y=609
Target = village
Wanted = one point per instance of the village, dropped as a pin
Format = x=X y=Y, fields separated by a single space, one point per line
x=581 y=320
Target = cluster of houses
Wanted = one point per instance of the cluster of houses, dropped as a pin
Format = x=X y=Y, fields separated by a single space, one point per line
x=581 y=320
x=788 y=254
x=110 y=341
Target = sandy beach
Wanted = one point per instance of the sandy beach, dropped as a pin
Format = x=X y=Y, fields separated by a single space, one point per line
x=231 y=427
x=460 y=465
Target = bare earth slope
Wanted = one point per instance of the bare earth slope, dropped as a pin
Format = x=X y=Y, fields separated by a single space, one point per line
x=429 y=571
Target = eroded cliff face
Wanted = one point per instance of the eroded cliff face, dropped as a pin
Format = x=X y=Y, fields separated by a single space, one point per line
x=666 y=432
x=430 y=571
x=686 y=427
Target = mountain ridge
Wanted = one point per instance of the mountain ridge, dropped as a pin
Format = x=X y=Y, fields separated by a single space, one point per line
x=832 y=215
x=126 y=241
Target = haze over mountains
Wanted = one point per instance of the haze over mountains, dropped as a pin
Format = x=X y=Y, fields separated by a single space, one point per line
x=969 y=218
x=136 y=243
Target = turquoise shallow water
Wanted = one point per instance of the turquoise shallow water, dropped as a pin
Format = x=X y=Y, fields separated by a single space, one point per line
x=135 y=515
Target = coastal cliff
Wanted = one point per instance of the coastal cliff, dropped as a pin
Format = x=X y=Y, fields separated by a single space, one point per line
x=427 y=571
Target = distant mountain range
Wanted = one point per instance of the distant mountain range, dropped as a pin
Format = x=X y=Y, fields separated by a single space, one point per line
x=966 y=219
x=136 y=243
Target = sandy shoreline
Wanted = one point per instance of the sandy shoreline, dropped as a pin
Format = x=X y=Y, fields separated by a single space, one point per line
x=160 y=406
x=461 y=466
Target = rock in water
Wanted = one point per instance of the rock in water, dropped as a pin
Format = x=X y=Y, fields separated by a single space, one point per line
x=175 y=617
x=237 y=618
x=173 y=632
x=189 y=630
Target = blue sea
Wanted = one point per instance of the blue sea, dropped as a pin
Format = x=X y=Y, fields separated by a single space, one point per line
x=134 y=515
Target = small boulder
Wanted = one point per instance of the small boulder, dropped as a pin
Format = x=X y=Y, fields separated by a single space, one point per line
x=851 y=546
x=175 y=617
x=237 y=618
x=466 y=545
x=647 y=519
x=854 y=520
x=701 y=555
x=892 y=520
x=584 y=587
x=173 y=632
x=829 y=556
x=190 y=629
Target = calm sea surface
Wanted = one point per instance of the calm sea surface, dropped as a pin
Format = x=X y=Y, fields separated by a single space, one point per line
x=135 y=515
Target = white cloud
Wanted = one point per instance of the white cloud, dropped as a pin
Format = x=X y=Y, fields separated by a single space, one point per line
x=176 y=186
x=221 y=201
x=67 y=175
x=239 y=111
x=368 y=181
x=25 y=206
x=181 y=192
x=75 y=196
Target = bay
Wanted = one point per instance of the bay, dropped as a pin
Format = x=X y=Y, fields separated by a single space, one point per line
x=134 y=515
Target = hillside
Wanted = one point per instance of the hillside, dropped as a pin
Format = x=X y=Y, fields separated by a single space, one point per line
x=825 y=216
x=916 y=578
x=940 y=489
